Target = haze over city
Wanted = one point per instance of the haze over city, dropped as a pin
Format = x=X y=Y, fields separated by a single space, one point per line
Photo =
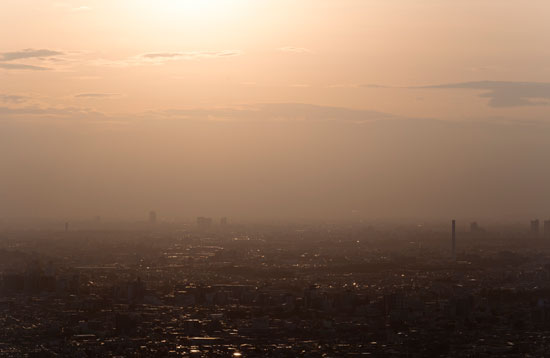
x=274 y=178
x=274 y=109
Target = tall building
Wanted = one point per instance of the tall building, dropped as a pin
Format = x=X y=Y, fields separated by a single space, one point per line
x=453 y=240
x=203 y=222
x=152 y=217
x=474 y=227
x=547 y=229
x=223 y=221
x=535 y=225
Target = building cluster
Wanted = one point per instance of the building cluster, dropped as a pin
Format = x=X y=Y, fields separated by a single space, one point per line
x=334 y=291
x=535 y=228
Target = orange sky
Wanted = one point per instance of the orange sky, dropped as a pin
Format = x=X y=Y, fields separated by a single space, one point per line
x=234 y=52
x=120 y=65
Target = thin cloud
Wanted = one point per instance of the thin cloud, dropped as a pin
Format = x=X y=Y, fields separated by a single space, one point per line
x=85 y=78
x=294 y=49
x=28 y=53
x=373 y=85
x=191 y=55
x=343 y=85
x=97 y=95
x=29 y=112
x=70 y=7
x=10 y=98
x=505 y=94
x=81 y=8
x=281 y=111
x=158 y=58
x=258 y=113
x=162 y=55
x=20 y=66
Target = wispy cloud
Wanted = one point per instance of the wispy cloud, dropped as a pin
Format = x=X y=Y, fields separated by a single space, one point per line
x=85 y=78
x=162 y=55
x=47 y=59
x=294 y=49
x=505 y=94
x=344 y=85
x=10 y=98
x=28 y=53
x=81 y=8
x=36 y=112
x=280 y=111
x=190 y=55
x=20 y=66
x=71 y=7
x=267 y=112
x=35 y=55
x=97 y=95
x=158 y=58
x=373 y=85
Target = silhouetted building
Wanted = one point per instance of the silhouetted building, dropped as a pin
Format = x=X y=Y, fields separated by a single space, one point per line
x=535 y=225
x=223 y=221
x=66 y=226
x=152 y=216
x=136 y=290
x=475 y=228
x=14 y=282
x=125 y=323
x=203 y=222
x=453 y=240
x=547 y=229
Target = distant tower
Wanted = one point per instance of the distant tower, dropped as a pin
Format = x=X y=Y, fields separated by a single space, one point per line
x=152 y=217
x=547 y=229
x=453 y=240
x=535 y=227
x=204 y=223
x=474 y=227
x=66 y=226
x=223 y=221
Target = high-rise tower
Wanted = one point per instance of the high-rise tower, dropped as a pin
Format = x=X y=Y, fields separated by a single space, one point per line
x=152 y=217
x=547 y=229
x=535 y=225
x=453 y=240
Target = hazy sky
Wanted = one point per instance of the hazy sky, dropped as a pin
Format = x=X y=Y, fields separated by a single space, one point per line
x=260 y=108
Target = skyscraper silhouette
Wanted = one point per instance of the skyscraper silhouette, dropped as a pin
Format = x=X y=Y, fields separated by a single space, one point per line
x=453 y=240
x=547 y=229
x=152 y=217
x=535 y=225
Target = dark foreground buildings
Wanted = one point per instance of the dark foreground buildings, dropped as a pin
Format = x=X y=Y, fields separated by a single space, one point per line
x=273 y=291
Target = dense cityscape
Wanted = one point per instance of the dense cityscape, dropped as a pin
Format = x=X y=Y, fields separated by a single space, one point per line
x=217 y=289
x=274 y=179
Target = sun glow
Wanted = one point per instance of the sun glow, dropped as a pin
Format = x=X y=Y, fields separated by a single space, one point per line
x=192 y=10
x=197 y=7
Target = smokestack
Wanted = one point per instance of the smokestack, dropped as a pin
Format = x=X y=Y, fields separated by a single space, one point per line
x=453 y=238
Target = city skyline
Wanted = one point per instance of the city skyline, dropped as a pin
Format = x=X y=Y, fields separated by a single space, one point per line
x=274 y=178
